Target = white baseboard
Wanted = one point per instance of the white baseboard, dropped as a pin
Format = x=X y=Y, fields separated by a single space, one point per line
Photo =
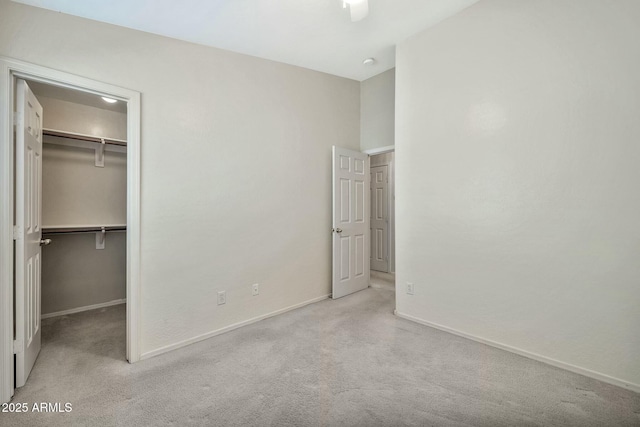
x=85 y=308
x=229 y=328
x=549 y=361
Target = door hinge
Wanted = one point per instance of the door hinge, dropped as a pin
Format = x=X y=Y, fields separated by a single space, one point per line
x=17 y=232
x=18 y=346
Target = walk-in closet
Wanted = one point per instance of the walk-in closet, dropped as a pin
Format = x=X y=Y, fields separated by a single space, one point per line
x=83 y=220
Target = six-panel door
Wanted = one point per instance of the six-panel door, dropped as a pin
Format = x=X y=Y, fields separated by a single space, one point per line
x=350 y=221
x=28 y=230
x=380 y=218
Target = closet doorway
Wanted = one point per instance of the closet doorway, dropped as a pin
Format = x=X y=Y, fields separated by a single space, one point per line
x=382 y=169
x=74 y=214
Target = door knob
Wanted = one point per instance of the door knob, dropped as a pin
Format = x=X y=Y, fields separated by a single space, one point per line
x=338 y=230
x=45 y=242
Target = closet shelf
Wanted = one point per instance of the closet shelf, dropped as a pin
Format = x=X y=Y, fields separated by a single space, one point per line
x=82 y=137
x=83 y=229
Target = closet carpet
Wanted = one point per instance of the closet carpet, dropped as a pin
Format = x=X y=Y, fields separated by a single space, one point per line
x=347 y=362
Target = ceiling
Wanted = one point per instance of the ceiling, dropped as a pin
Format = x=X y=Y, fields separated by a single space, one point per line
x=315 y=34
x=75 y=96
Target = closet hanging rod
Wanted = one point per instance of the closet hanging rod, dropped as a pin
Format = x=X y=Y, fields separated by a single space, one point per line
x=90 y=229
x=82 y=137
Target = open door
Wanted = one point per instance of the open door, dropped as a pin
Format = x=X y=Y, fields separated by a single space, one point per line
x=380 y=218
x=350 y=221
x=28 y=233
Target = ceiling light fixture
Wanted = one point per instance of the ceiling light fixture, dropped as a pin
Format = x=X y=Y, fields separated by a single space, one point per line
x=359 y=9
x=109 y=100
x=369 y=61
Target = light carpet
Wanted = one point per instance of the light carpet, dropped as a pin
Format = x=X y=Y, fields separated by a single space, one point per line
x=348 y=362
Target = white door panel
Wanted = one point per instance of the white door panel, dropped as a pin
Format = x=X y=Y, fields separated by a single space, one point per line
x=380 y=218
x=350 y=222
x=29 y=233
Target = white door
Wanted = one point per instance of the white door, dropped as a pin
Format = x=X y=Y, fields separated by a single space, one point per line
x=350 y=221
x=28 y=230
x=380 y=218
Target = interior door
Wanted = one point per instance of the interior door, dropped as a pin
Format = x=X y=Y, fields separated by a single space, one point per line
x=380 y=218
x=28 y=230
x=350 y=222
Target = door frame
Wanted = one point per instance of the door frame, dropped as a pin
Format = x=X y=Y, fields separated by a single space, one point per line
x=10 y=70
x=392 y=204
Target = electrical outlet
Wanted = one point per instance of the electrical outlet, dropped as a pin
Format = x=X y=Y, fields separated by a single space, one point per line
x=410 y=288
x=222 y=297
x=255 y=289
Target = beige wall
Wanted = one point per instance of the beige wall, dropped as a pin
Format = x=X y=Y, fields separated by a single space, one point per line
x=75 y=192
x=79 y=118
x=377 y=110
x=517 y=180
x=236 y=170
x=75 y=274
x=381 y=159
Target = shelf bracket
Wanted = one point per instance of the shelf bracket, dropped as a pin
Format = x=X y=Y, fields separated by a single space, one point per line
x=101 y=237
x=100 y=154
